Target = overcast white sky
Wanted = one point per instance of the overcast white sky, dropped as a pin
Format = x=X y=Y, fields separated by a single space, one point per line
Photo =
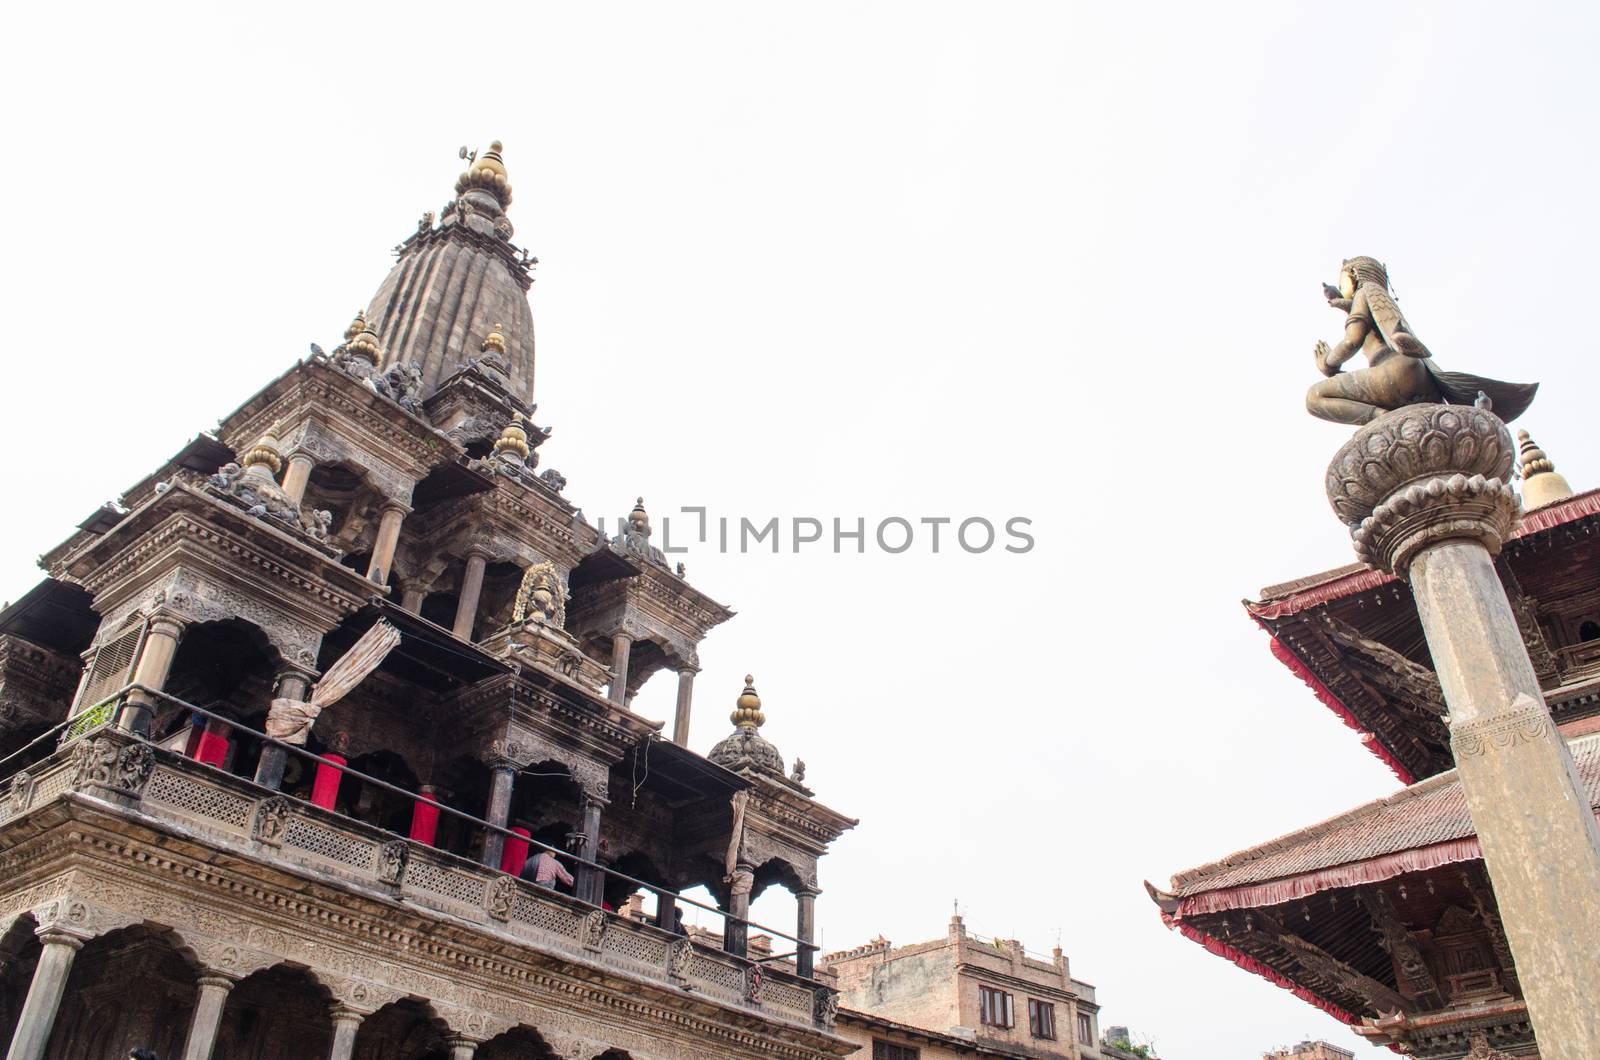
x=870 y=259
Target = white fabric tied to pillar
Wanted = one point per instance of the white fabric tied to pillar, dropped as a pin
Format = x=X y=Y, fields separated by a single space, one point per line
x=731 y=862
x=290 y=720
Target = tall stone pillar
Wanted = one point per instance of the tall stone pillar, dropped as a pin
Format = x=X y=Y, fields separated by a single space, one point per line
x=735 y=926
x=292 y=684
x=471 y=591
x=805 y=930
x=207 y=1016
x=1424 y=492
x=589 y=885
x=503 y=776
x=155 y=662
x=621 y=647
x=346 y=1022
x=38 y=1017
x=680 y=721
x=297 y=475
x=389 y=522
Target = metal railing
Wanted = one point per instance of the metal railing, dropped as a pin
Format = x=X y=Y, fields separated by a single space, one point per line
x=97 y=719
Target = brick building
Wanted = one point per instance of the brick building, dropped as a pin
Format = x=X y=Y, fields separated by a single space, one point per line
x=986 y=993
x=1310 y=1051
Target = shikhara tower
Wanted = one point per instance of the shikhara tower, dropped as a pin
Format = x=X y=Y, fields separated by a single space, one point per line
x=365 y=562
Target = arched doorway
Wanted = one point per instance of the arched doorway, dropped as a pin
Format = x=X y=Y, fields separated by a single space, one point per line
x=277 y=1012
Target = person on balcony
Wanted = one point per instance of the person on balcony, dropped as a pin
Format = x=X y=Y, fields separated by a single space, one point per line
x=546 y=871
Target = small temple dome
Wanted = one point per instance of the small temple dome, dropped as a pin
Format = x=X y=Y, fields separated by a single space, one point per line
x=745 y=748
x=1541 y=484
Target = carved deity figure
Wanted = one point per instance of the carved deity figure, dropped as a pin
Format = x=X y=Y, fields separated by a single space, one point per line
x=1400 y=369
x=542 y=597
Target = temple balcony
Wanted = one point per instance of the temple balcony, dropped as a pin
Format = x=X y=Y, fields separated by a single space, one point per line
x=181 y=803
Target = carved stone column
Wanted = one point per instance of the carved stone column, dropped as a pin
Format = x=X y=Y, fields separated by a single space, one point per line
x=471 y=591
x=503 y=776
x=680 y=721
x=462 y=1048
x=207 y=1017
x=394 y=514
x=292 y=684
x=735 y=928
x=38 y=1017
x=346 y=1022
x=411 y=600
x=621 y=647
x=805 y=930
x=297 y=475
x=589 y=884
x=155 y=662
x=1424 y=492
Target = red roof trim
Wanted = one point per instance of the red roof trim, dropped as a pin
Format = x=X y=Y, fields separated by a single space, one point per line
x=1250 y=964
x=1284 y=654
x=1370 y=870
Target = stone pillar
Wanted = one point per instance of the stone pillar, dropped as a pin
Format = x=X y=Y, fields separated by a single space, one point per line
x=425 y=815
x=207 y=1017
x=621 y=646
x=297 y=475
x=735 y=929
x=155 y=662
x=503 y=777
x=680 y=721
x=345 y=1024
x=589 y=885
x=471 y=590
x=666 y=911
x=38 y=1015
x=411 y=600
x=394 y=514
x=292 y=684
x=805 y=929
x=1424 y=490
x=461 y=1048
x=325 y=788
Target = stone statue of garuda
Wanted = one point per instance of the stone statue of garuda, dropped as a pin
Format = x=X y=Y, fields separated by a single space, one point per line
x=1400 y=370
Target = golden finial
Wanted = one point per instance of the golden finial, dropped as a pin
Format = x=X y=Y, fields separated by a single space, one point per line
x=747 y=714
x=1541 y=485
x=360 y=340
x=514 y=439
x=265 y=453
x=495 y=341
x=639 y=519
x=486 y=171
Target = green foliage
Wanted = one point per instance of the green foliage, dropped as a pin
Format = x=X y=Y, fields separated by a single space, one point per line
x=93 y=718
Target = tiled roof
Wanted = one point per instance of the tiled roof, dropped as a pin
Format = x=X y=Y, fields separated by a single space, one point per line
x=1422 y=815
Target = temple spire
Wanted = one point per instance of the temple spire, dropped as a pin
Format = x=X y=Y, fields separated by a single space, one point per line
x=1541 y=484
x=747 y=710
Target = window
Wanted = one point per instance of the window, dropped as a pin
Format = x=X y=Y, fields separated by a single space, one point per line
x=1041 y=1018
x=1085 y=1029
x=994 y=1007
x=882 y=1050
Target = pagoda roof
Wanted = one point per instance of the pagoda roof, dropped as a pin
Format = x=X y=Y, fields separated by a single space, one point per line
x=1422 y=826
x=1385 y=689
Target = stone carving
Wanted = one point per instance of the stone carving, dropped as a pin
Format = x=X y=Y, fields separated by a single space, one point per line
x=592 y=929
x=1421 y=475
x=542 y=596
x=798 y=773
x=21 y=793
x=271 y=820
x=826 y=1006
x=392 y=857
x=679 y=955
x=502 y=889
x=1400 y=369
x=402 y=384
x=105 y=764
x=752 y=983
x=1527 y=721
x=553 y=479
x=320 y=525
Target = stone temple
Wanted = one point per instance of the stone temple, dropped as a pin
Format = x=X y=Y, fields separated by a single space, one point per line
x=318 y=741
